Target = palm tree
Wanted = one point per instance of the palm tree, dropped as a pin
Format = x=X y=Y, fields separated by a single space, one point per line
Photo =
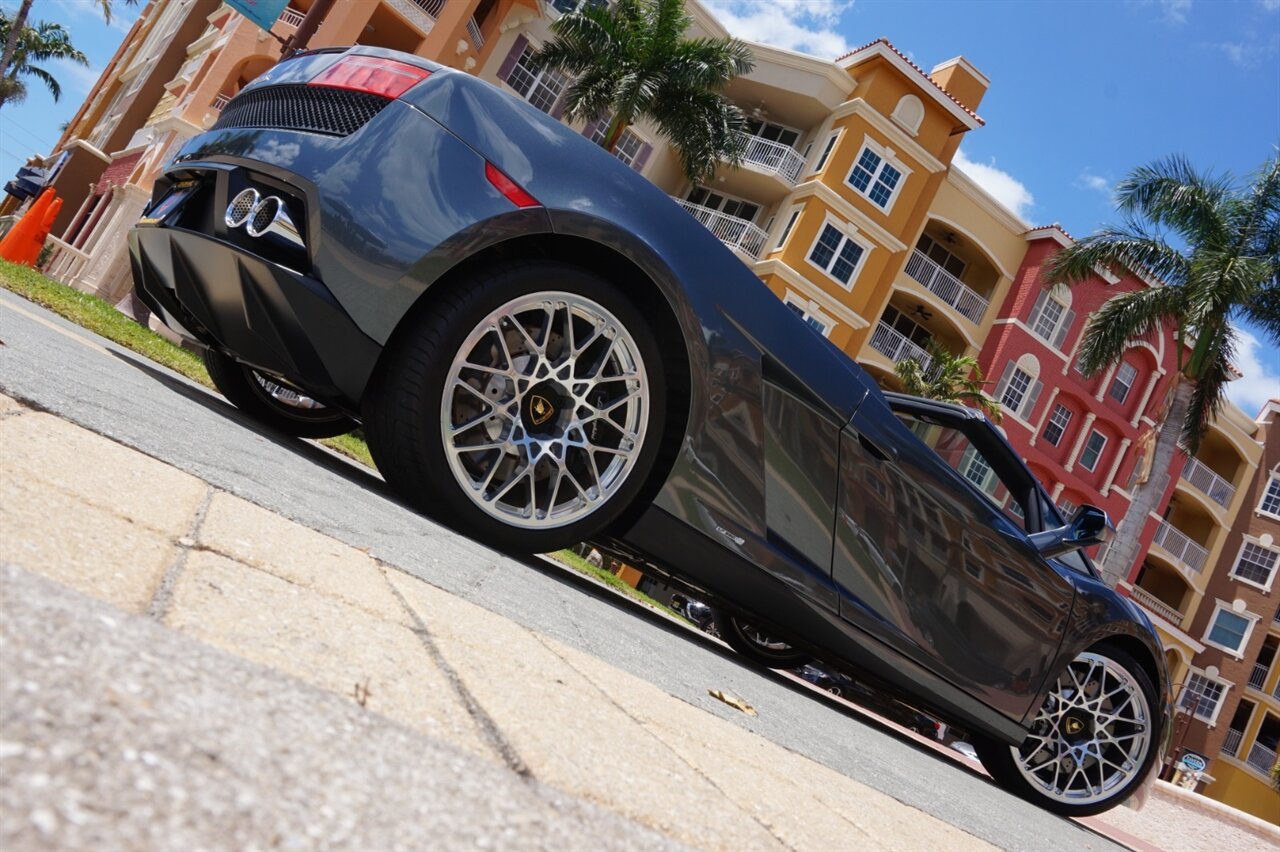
x=949 y=378
x=631 y=61
x=40 y=43
x=19 y=24
x=1216 y=246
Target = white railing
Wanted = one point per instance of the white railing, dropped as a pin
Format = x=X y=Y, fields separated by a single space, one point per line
x=431 y=7
x=896 y=347
x=220 y=102
x=1258 y=677
x=65 y=262
x=1152 y=603
x=1231 y=744
x=772 y=157
x=1209 y=483
x=732 y=231
x=946 y=286
x=473 y=30
x=1183 y=548
x=291 y=17
x=1261 y=758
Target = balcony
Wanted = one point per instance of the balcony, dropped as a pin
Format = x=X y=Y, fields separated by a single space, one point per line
x=1208 y=483
x=220 y=102
x=1231 y=744
x=1258 y=677
x=1261 y=758
x=291 y=18
x=946 y=286
x=473 y=32
x=771 y=157
x=1180 y=546
x=1153 y=604
x=422 y=14
x=896 y=347
x=736 y=233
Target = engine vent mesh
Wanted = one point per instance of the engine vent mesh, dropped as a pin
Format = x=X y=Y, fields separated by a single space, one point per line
x=317 y=109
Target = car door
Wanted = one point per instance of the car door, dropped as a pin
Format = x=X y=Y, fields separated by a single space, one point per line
x=932 y=552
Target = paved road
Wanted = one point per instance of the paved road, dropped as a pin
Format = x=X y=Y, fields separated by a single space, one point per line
x=54 y=365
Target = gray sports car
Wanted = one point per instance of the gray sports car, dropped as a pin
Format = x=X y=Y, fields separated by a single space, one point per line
x=543 y=349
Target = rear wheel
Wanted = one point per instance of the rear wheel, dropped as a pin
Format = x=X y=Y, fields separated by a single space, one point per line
x=1093 y=740
x=526 y=406
x=757 y=643
x=271 y=403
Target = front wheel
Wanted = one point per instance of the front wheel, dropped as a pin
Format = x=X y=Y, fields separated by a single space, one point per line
x=1092 y=743
x=527 y=406
x=758 y=644
x=271 y=403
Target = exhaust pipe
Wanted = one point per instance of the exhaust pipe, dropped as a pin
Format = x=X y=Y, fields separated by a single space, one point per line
x=262 y=216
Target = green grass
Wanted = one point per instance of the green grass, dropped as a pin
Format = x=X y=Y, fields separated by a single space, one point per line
x=100 y=317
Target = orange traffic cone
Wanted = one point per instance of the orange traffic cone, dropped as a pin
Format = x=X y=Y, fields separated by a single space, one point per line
x=17 y=243
x=37 y=240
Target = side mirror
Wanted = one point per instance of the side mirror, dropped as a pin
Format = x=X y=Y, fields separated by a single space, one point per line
x=1090 y=526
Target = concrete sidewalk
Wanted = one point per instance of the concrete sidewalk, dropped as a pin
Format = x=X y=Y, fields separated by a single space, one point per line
x=475 y=731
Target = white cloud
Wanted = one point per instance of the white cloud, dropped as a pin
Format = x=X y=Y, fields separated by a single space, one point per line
x=1175 y=11
x=804 y=25
x=1261 y=381
x=1094 y=183
x=122 y=14
x=1269 y=5
x=76 y=80
x=1004 y=187
x=1251 y=52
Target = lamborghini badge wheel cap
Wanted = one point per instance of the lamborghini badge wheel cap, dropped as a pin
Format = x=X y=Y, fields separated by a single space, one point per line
x=544 y=410
x=1091 y=736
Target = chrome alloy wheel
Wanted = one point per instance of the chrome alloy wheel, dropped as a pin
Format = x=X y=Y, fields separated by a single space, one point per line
x=544 y=410
x=1091 y=736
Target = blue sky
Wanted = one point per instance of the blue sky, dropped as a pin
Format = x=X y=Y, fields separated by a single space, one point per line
x=1081 y=92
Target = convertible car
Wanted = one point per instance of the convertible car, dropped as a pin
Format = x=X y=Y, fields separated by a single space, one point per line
x=543 y=349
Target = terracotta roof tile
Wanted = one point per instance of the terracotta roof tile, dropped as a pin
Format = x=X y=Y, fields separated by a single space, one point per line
x=921 y=71
x=1053 y=225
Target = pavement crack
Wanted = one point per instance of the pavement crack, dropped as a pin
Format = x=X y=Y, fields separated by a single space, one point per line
x=488 y=728
x=163 y=597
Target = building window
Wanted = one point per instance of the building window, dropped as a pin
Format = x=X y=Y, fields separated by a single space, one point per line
x=541 y=88
x=786 y=231
x=1202 y=696
x=1015 y=390
x=1270 y=504
x=835 y=253
x=1050 y=319
x=773 y=132
x=936 y=252
x=1123 y=382
x=875 y=178
x=726 y=204
x=1228 y=630
x=814 y=322
x=1093 y=450
x=628 y=148
x=826 y=151
x=1057 y=425
x=1067 y=508
x=976 y=469
x=1256 y=564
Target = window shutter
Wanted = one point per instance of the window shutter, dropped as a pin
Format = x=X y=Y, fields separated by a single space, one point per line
x=642 y=156
x=1063 y=328
x=1035 y=311
x=591 y=127
x=522 y=41
x=557 y=108
x=1029 y=404
x=1004 y=381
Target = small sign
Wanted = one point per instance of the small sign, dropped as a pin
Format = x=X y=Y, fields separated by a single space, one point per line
x=1192 y=762
x=262 y=12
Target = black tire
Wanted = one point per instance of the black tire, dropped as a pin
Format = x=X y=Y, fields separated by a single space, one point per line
x=407 y=406
x=756 y=645
x=243 y=387
x=1015 y=767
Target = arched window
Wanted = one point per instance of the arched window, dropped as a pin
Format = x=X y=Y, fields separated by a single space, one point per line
x=1019 y=386
x=909 y=113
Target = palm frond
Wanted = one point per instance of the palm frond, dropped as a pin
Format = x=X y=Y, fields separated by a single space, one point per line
x=1172 y=194
x=54 y=87
x=1136 y=315
x=1128 y=246
x=1210 y=383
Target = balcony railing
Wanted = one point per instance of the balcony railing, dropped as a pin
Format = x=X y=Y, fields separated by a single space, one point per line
x=220 y=102
x=1153 y=604
x=946 y=286
x=732 y=231
x=473 y=31
x=1209 y=483
x=1183 y=548
x=1231 y=744
x=1261 y=758
x=896 y=347
x=291 y=17
x=431 y=7
x=1258 y=677
x=771 y=157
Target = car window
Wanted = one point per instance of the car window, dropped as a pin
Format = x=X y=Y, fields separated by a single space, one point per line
x=955 y=448
x=1074 y=559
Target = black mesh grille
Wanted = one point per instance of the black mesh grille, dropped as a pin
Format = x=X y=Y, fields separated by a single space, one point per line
x=317 y=109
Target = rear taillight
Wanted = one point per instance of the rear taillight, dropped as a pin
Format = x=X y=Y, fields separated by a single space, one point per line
x=511 y=190
x=372 y=74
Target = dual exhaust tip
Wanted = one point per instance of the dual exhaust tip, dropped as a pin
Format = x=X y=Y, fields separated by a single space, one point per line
x=262 y=216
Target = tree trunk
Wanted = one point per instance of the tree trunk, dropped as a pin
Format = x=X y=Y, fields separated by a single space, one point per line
x=1146 y=497
x=15 y=29
x=614 y=133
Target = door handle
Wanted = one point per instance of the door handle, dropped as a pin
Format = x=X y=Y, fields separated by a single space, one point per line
x=875 y=450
